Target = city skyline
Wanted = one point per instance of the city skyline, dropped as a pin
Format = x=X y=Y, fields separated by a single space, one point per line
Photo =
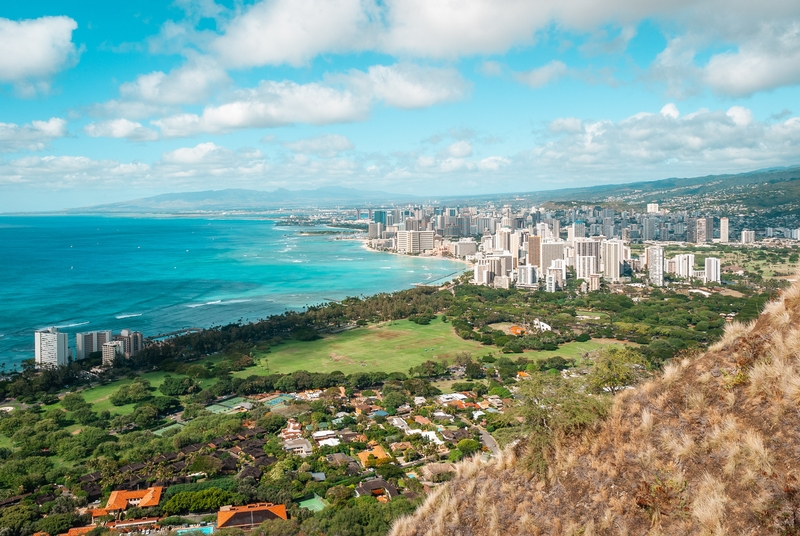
x=103 y=105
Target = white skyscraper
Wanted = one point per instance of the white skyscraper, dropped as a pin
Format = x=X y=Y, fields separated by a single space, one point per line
x=526 y=276
x=684 y=265
x=613 y=254
x=414 y=241
x=652 y=208
x=748 y=237
x=585 y=266
x=51 y=348
x=712 y=274
x=655 y=264
x=723 y=230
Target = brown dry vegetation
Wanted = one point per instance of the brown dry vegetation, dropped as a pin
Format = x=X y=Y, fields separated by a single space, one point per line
x=712 y=446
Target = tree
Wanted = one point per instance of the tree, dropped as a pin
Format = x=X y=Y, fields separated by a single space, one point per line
x=55 y=523
x=468 y=446
x=17 y=520
x=73 y=402
x=272 y=423
x=173 y=386
x=614 y=368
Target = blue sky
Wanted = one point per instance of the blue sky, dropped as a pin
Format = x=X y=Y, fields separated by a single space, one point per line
x=103 y=102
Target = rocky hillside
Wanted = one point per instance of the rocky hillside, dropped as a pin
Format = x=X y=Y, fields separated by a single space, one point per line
x=712 y=446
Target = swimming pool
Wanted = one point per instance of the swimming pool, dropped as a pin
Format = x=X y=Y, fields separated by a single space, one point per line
x=208 y=529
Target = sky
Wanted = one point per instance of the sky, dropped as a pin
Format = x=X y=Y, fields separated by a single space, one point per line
x=110 y=101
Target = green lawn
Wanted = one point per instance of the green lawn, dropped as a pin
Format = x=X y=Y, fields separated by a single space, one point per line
x=392 y=347
x=99 y=395
x=385 y=347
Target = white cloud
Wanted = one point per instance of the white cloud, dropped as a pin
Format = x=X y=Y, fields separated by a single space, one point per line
x=271 y=104
x=670 y=110
x=666 y=143
x=35 y=136
x=70 y=172
x=566 y=124
x=460 y=149
x=326 y=146
x=36 y=48
x=543 y=75
x=274 y=104
x=275 y=32
x=191 y=83
x=121 y=128
x=765 y=61
x=407 y=85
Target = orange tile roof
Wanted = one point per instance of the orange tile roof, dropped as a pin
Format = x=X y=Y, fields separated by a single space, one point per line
x=77 y=531
x=226 y=514
x=376 y=451
x=118 y=500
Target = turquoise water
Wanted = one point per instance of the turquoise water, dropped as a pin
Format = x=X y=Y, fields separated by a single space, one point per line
x=208 y=529
x=158 y=275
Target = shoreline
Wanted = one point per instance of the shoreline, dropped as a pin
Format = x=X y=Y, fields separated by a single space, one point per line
x=364 y=244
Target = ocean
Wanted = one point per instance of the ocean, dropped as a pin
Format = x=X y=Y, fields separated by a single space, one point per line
x=161 y=274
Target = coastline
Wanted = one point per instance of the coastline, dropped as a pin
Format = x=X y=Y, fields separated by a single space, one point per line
x=365 y=245
x=196 y=272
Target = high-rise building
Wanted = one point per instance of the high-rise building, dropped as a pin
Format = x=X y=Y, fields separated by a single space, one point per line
x=748 y=237
x=550 y=281
x=585 y=266
x=414 y=241
x=701 y=235
x=551 y=251
x=527 y=276
x=655 y=264
x=594 y=282
x=379 y=216
x=111 y=351
x=90 y=342
x=576 y=230
x=613 y=253
x=589 y=248
x=132 y=342
x=649 y=229
x=375 y=230
x=652 y=208
x=723 y=230
x=712 y=274
x=684 y=265
x=534 y=251
x=51 y=348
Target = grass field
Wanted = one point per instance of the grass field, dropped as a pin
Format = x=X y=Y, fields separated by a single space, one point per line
x=384 y=347
x=99 y=395
x=392 y=347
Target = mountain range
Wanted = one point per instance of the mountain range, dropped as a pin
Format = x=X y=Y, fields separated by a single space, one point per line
x=239 y=199
x=778 y=190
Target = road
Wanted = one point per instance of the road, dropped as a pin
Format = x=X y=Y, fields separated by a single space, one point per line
x=488 y=441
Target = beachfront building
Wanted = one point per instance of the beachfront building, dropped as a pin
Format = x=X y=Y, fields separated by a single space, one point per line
x=111 y=351
x=90 y=342
x=51 y=348
x=414 y=241
x=132 y=342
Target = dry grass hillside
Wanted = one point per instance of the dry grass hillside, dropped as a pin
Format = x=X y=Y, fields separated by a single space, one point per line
x=712 y=446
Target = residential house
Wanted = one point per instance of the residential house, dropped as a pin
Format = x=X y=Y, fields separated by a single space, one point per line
x=378 y=488
x=293 y=430
x=300 y=446
x=250 y=515
x=376 y=451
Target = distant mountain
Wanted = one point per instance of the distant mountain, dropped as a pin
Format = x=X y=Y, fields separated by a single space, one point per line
x=238 y=199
